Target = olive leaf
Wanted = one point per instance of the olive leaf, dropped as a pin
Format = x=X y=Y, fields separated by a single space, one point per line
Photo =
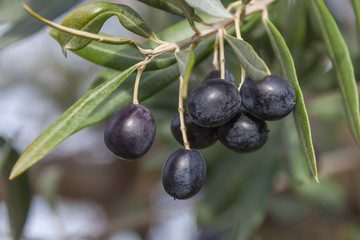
x=92 y=16
x=68 y=123
x=211 y=7
x=151 y=82
x=22 y=24
x=356 y=7
x=300 y=114
x=295 y=165
x=49 y=181
x=189 y=13
x=254 y=66
x=341 y=61
x=118 y=57
x=17 y=192
x=186 y=61
x=170 y=6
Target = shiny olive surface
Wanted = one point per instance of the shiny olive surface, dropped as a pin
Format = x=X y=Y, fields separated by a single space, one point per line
x=244 y=133
x=184 y=174
x=199 y=137
x=272 y=99
x=213 y=103
x=130 y=132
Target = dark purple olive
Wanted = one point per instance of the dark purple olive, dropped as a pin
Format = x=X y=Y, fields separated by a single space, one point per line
x=130 y=132
x=244 y=133
x=199 y=137
x=272 y=99
x=183 y=174
x=213 y=103
x=216 y=74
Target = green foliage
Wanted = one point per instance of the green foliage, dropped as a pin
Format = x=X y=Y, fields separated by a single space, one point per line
x=300 y=113
x=253 y=65
x=91 y=17
x=340 y=57
x=211 y=7
x=239 y=191
x=68 y=123
x=17 y=192
x=22 y=24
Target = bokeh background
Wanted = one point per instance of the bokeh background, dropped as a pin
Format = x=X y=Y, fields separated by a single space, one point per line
x=81 y=191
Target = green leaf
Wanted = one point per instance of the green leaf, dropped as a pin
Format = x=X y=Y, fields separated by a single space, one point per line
x=295 y=165
x=68 y=123
x=211 y=7
x=17 y=192
x=151 y=82
x=189 y=13
x=91 y=17
x=49 y=181
x=186 y=62
x=254 y=66
x=170 y=6
x=300 y=114
x=23 y=24
x=11 y=10
x=341 y=61
x=118 y=57
x=356 y=7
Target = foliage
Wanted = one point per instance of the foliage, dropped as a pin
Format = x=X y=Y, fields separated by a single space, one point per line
x=297 y=53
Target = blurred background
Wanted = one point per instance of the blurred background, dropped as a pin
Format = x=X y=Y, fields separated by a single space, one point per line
x=81 y=191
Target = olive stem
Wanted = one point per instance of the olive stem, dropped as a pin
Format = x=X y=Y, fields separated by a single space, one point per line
x=215 y=61
x=222 y=53
x=136 y=85
x=140 y=70
x=238 y=36
x=233 y=5
x=181 y=114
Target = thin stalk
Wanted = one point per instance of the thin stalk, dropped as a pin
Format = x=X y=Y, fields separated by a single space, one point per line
x=215 y=61
x=222 y=53
x=140 y=70
x=181 y=114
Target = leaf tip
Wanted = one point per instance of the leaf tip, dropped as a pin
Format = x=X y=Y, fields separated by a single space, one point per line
x=316 y=179
x=64 y=51
x=13 y=175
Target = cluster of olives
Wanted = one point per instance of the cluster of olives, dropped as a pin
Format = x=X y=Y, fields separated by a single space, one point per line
x=213 y=113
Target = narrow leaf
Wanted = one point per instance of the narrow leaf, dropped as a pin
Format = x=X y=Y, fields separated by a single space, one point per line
x=254 y=66
x=295 y=165
x=340 y=58
x=170 y=6
x=17 y=193
x=118 y=57
x=300 y=114
x=11 y=11
x=92 y=16
x=24 y=25
x=49 y=182
x=151 y=82
x=189 y=13
x=68 y=123
x=356 y=7
x=186 y=61
x=211 y=7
